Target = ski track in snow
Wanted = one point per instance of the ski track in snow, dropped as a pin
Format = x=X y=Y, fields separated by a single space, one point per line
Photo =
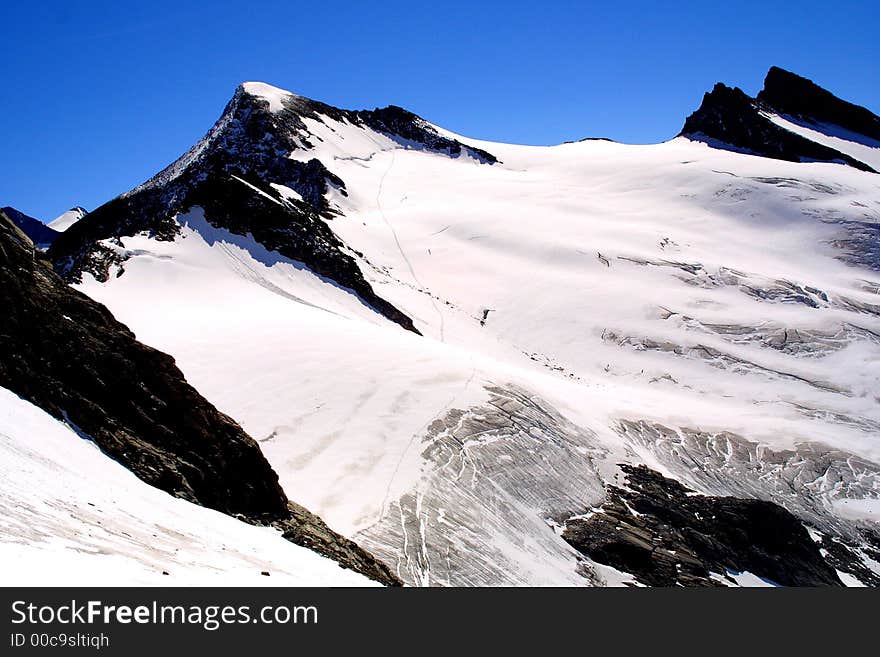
x=400 y=248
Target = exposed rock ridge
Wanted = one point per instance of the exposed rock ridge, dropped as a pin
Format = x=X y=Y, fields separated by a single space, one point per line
x=795 y=96
x=398 y=122
x=230 y=173
x=728 y=118
x=666 y=535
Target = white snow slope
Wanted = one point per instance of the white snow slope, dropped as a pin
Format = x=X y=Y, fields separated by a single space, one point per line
x=66 y=219
x=69 y=515
x=581 y=305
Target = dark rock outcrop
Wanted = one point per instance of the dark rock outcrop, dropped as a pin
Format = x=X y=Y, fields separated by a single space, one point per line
x=850 y=557
x=666 y=535
x=229 y=174
x=308 y=530
x=398 y=122
x=38 y=232
x=800 y=98
x=66 y=354
x=728 y=118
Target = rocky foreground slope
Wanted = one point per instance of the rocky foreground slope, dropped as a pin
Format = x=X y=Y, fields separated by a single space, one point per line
x=67 y=355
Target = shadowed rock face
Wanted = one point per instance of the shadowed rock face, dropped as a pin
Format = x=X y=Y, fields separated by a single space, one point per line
x=228 y=174
x=728 y=118
x=66 y=354
x=726 y=463
x=803 y=99
x=36 y=230
x=665 y=535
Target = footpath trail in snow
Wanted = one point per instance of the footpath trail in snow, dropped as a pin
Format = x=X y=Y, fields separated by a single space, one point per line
x=401 y=250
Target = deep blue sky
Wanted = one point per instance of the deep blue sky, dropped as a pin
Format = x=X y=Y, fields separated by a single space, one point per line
x=98 y=96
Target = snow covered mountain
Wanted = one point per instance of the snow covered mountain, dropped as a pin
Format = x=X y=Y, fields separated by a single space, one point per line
x=66 y=219
x=499 y=364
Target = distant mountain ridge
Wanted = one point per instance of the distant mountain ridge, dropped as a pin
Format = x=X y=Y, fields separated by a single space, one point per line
x=262 y=123
x=39 y=233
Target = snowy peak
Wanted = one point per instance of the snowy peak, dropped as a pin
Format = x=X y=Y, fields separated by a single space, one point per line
x=730 y=119
x=403 y=126
x=273 y=95
x=264 y=170
x=254 y=174
x=65 y=220
x=260 y=112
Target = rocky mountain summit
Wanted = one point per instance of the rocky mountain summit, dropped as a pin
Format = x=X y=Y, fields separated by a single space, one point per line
x=729 y=118
x=795 y=96
x=243 y=176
